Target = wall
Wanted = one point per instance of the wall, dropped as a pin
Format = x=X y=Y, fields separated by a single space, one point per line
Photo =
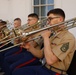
x=4 y=9
x=10 y=9
x=21 y=8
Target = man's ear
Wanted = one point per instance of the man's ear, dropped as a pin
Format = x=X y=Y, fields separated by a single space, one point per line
x=61 y=19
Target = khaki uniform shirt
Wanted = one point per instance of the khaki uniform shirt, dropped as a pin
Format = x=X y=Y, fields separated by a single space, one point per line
x=75 y=44
x=63 y=46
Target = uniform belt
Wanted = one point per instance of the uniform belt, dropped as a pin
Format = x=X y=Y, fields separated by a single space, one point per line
x=60 y=71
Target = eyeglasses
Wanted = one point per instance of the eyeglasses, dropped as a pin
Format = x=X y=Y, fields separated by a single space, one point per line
x=29 y=19
x=50 y=18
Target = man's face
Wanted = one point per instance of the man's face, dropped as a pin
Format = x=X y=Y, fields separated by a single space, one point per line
x=0 y=26
x=17 y=23
x=1 y=33
x=54 y=19
x=32 y=20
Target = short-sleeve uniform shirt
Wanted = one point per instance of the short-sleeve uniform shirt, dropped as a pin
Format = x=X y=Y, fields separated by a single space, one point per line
x=63 y=46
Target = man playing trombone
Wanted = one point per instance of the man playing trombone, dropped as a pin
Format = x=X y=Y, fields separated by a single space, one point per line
x=24 y=58
x=58 y=50
x=3 y=33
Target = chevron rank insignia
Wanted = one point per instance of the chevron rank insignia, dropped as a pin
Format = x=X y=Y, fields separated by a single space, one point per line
x=65 y=47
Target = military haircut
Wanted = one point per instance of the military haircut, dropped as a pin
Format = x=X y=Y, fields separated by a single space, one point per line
x=33 y=15
x=57 y=11
x=17 y=19
x=3 y=22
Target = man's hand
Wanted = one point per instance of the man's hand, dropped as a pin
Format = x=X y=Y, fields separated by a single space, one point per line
x=46 y=34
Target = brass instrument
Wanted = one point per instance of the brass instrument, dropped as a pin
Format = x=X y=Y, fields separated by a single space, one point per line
x=68 y=25
x=18 y=32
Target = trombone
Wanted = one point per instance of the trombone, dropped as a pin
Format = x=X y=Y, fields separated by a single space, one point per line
x=17 y=32
x=68 y=25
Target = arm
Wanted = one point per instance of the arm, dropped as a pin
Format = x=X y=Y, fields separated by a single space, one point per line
x=49 y=55
x=34 y=50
